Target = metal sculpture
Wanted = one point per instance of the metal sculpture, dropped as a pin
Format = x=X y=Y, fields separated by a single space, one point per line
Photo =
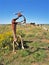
x=14 y=24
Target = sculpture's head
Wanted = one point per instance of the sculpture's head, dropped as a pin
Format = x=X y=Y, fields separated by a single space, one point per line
x=20 y=15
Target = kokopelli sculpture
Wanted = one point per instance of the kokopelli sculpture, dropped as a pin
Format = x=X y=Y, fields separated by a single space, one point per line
x=14 y=24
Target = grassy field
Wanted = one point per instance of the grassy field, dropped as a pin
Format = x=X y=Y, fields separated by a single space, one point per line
x=36 y=43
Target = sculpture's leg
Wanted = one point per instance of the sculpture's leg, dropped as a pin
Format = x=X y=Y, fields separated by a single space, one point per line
x=14 y=42
x=21 y=42
x=13 y=46
x=17 y=43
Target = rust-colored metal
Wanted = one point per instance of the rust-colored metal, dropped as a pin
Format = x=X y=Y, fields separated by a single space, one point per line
x=14 y=24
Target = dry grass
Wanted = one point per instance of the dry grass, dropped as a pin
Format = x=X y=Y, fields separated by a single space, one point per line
x=35 y=52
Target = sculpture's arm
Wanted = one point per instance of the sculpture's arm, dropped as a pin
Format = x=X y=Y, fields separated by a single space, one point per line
x=19 y=15
x=24 y=20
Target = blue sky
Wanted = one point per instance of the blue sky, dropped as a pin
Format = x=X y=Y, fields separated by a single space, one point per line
x=34 y=10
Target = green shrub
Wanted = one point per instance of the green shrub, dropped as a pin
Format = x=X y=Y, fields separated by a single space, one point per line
x=39 y=56
x=24 y=53
x=31 y=35
x=20 y=32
